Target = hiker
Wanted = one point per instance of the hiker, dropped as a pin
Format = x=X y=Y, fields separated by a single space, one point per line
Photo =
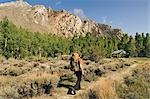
x=76 y=66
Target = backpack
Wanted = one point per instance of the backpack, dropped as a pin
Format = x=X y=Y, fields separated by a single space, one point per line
x=75 y=66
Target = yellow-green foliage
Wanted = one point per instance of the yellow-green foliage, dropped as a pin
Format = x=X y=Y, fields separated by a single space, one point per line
x=21 y=43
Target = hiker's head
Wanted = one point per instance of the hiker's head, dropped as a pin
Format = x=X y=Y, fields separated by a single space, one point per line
x=75 y=55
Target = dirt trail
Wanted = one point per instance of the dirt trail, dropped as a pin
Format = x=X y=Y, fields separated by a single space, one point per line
x=104 y=76
x=118 y=76
x=107 y=78
x=105 y=85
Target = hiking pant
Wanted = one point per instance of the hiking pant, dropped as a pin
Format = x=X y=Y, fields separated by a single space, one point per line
x=79 y=76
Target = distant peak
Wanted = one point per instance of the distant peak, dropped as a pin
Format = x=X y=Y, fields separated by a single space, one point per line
x=16 y=3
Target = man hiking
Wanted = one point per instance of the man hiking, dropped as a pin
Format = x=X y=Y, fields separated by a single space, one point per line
x=76 y=66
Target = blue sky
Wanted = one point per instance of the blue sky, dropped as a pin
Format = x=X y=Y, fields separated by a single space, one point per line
x=130 y=15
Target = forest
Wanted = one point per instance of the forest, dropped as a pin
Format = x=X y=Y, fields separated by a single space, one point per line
x=17 y=42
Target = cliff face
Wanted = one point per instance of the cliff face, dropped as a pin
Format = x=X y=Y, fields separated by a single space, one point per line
x=41 y=19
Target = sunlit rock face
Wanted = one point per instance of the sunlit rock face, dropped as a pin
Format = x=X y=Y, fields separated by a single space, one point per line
x=38 y=18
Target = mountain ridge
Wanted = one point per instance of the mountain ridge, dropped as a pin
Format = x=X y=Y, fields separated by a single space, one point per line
x=38 y=18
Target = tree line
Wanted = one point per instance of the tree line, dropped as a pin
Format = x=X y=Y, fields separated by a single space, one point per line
x=20 y=43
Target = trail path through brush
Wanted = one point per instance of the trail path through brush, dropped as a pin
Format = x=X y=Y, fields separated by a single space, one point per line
x=119 y=75
x=114 y=75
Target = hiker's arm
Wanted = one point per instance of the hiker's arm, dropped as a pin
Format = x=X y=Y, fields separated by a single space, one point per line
x=82 y=69
x=81 y=66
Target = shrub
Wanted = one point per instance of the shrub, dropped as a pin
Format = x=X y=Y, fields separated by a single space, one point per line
x=8 y=92
x=136 y=86
x=103 y=89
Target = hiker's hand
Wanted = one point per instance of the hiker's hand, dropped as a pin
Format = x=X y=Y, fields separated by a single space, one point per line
x=82 y=72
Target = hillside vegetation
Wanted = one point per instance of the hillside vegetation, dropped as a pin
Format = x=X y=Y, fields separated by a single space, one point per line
x=21 y=43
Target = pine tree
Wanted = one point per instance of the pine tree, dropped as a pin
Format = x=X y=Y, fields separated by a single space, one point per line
x=130 y=47
x=123 y=42
x=146 y=44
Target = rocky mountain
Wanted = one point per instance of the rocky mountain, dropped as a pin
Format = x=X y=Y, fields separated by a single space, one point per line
x=38 y=18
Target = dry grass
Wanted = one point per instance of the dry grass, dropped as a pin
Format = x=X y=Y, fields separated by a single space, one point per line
x=40 y=77
x=137 y=84
x=103 y=89
x=37 y=73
